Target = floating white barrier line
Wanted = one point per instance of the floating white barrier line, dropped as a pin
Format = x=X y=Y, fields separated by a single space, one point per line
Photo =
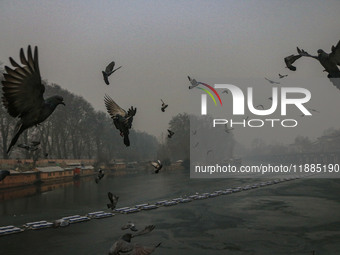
x=141 y=205
x=11 y=231
x=6 y=227
x=30 y=224
x=70 y=217
x=78 y=219
x=94 y=213
x=146 y=206
x=42 y=225
x=102 y=215
x=149 y=207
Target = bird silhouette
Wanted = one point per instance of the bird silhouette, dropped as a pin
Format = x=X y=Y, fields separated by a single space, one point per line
x=32 y=147
x=108 y=71
x=272 y=82
x=170 y=133
x=100 y=175
x=113 y=200
x=164 y=106
x=157 y=165
x=329 y=61
x=193 y=82
x=282 y=75
x=3 y=174
x=290 y=61
x=121 y=119
x=130 y=225
x=124 y=245
x=27 y=147
x=23 y=94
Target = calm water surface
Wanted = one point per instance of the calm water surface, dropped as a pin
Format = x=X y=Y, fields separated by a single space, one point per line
x=288 y=218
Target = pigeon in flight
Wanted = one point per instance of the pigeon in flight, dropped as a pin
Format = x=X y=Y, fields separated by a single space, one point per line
x=170 y=133
x=193 y=82
x=108 y=71
x=209 y=151
x=157 y=165
x=23 y=94
x=282 y=75
x=27 y=147
x=3 y=174
x=313 y=110
x=100 y=175
x=259 y=106
x=164 y=106
x=32 y=147
x=329 y=61
x=272 y=82
x=228 y=129
x=113 y=200
x=290 y=60
x=225 y=91
x=124 y=245
x=121 y=119
x=130 y=225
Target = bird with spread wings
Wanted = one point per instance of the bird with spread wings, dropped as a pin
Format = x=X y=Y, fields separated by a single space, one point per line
x=121 y=119
x=330 y=61
x=23 y=94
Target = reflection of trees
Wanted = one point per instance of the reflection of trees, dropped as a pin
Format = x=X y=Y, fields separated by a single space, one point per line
x=78 y=131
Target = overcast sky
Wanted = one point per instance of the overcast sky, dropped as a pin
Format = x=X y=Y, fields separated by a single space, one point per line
x=159 y=43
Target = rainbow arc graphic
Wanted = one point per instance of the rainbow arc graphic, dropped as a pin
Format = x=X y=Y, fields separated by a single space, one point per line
x=209 y=93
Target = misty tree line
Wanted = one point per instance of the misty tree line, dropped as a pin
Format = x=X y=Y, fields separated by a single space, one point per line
x=77 y=131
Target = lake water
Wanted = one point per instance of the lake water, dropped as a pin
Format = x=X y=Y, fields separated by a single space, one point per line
x=293 y=217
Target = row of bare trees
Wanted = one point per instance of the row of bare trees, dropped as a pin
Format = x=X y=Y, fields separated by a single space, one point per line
x=77 y=131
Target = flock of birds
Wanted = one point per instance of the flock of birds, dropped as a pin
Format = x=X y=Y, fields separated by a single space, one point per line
x=23 y=97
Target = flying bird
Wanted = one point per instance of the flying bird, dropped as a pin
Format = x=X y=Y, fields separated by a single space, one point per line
x=32 y=147
x=108 y=71
x=170 y=133
x=209 y=151
x=313 y=110
x=99 y=176
x=3 y=174
x=282 y=75
x=225 y=91
x=23 y=94
x=121 y=119
x=124 y=245
x=194 y=132
x=193 y=82
x=270 y=98
x=113 y=200
x=164 y=106
x=196 y=144
x=157 y=165
x=330 y=61
x=130 y=225
x=259 y=106
x=272 y=82
x=290 y=61
x=27 y=147
x=228 y=129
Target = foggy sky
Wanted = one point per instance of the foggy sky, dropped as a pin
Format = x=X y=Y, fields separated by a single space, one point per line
x=159 y=43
